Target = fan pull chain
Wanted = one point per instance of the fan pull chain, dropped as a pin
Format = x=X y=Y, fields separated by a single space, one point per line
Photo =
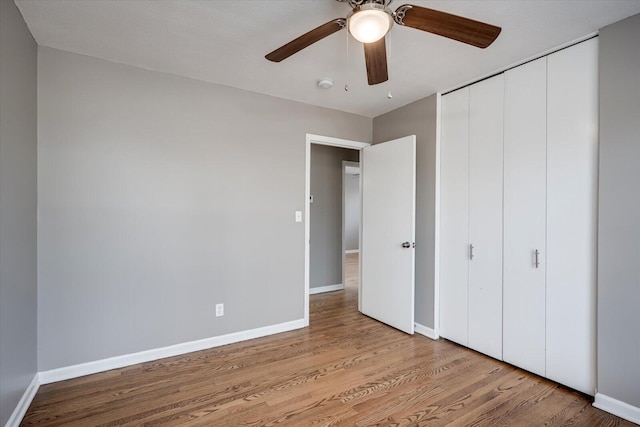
x=346 y=71
x=388 y=42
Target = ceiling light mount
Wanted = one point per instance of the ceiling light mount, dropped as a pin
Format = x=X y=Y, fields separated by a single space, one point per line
x=370 y=22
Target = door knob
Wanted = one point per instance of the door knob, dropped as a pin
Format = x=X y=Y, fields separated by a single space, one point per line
x=406 y=245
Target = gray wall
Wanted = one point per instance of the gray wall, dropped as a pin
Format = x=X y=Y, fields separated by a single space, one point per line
x=161 y=196
x=18 y=208
x=351 y=212
x=619 y=213
x=419 y=118
x=325 y=248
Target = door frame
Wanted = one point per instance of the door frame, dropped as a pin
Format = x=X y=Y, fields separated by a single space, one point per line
x=436 y=253
x=334 y=142
x=345 y=164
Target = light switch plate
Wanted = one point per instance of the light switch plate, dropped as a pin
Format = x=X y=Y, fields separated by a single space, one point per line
x=298 y=216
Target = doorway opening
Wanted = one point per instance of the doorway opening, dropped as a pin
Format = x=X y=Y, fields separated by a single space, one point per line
x=351 y=214
x=313 y=275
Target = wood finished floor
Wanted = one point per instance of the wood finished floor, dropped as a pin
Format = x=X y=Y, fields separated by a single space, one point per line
x=344 y=370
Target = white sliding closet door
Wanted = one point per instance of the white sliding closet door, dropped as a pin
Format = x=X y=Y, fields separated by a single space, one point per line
x=572 y=183
x=454 y=216
x=525 y=216
x=485 y=215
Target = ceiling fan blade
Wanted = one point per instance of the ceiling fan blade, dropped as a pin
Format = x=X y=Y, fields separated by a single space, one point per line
x=444 y=24
x=307 y=39
x=375 y=56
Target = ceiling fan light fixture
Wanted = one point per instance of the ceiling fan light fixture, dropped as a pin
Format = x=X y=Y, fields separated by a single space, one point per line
x=370 y=22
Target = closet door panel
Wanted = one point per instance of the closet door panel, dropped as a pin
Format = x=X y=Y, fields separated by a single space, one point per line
x=485 y=215
x=454 y=215
x=572 y=164
x=525 y=216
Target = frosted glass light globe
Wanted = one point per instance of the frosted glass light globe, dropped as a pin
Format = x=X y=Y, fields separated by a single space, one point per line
x=368 y=26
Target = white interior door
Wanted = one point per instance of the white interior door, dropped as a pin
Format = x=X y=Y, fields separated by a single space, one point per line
x=525 y=151
x=485 y=215
x=454 y=216
x=572 y=214
x=388 y=174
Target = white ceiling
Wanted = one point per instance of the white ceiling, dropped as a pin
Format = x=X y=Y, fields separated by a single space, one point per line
x=224 y=41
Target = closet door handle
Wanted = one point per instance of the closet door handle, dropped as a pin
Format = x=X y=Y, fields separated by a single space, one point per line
x=470 y=251
x=537 y=258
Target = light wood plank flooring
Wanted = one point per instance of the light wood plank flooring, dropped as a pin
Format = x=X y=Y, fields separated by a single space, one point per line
x=344 y=370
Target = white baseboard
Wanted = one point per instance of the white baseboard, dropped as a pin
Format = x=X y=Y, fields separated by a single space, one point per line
x=352 y=251
x=617 y=407
x=88 y=368
x=328 y=288
x=427 y=332
x=21 y=409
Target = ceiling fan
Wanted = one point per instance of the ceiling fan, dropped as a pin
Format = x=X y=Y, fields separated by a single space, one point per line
x=369 y=22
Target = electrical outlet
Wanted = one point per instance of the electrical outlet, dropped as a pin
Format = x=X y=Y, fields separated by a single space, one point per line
x=219 y=310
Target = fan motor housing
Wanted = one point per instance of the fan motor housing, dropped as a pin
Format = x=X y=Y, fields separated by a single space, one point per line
x=356 y=3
